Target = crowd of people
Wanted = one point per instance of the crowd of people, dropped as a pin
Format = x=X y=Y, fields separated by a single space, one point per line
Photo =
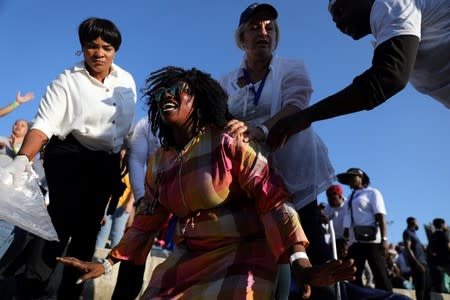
x=407 y=264
x=214 y=172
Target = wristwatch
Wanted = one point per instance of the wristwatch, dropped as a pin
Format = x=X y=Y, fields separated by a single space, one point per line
x=264 y=130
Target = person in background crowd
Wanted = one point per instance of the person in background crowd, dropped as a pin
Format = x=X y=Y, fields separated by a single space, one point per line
x=83 y=120
x=403 y=264
x=261 y=90
x=439 y=249
x=336 y=210
x=9 y=146
x=415 y=253
x=13 y=105
x=142 y=144
x=393 y=269
x=411 y=44
x=234 y=218
x=113 y=226
x=366 y=209
x=13 y=239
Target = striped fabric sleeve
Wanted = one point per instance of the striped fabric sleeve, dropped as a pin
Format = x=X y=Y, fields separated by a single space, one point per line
x=283 y=230
x=281 y=222
x=255 y=176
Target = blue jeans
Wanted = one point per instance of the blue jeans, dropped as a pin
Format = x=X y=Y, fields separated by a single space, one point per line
x=6 y=236
x=113 y=228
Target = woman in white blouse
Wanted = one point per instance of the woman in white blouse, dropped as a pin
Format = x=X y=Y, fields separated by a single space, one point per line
x=83 y=119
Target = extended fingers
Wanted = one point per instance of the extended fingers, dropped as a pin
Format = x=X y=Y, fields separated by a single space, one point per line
x=339 y=265
x=332 y=272
x=72 y=261
x=341 y=270
x=67 y=260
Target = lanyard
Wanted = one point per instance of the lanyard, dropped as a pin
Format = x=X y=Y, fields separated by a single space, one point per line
x=258 y=92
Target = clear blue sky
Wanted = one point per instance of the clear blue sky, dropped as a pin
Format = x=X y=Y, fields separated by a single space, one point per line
x=403 y=145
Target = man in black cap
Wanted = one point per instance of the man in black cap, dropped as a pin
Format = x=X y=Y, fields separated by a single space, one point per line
x=365 y=227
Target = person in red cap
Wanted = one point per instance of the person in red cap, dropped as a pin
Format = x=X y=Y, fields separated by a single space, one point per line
x=335 y=210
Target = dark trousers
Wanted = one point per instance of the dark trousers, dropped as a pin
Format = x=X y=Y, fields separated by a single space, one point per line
x=421 y=283
x=318 y=251
x=373 y=253
x=13 y=259
x=129 y=281
x=437 y=275
x=80 y=183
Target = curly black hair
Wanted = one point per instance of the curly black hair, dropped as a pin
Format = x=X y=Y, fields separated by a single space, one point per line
x=210 y=104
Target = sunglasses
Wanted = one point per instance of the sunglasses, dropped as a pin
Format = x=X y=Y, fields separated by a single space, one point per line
x=173 y=90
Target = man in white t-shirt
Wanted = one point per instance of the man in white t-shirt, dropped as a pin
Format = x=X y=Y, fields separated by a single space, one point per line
x=412 y=44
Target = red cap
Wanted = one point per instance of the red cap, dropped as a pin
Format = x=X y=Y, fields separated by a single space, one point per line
x=335 y=188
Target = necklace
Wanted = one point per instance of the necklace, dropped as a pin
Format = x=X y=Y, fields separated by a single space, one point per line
x=190 y=143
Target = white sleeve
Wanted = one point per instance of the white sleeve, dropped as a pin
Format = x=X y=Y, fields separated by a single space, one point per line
x=296 y=86
x=377 y=202
x=142 y=144
x=393 y=18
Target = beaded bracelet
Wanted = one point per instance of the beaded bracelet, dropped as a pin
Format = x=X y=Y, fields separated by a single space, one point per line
x=14 y=104
x=106 y=265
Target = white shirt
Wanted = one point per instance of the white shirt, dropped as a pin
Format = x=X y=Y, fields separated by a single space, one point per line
x=337 y=214
x=367 y=202
x=142 y=144
x=429 y=20
x=303 y=161
x=99 y=115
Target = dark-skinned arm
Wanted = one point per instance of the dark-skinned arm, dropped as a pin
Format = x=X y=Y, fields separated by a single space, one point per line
x=392 y=64
x=381 y=221
x=33 y=142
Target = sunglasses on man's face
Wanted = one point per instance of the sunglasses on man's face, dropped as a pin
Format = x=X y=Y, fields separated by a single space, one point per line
x=173 y=90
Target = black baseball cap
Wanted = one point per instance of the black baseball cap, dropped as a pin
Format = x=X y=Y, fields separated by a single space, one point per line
x=253 y=8
x=345 y=177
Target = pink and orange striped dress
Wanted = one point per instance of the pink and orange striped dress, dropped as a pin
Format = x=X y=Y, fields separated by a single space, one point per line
x=235 y=221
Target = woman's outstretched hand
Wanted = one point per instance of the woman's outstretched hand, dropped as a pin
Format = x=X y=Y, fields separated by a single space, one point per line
x=321 y=275
x=25 y=98
x=90 y=269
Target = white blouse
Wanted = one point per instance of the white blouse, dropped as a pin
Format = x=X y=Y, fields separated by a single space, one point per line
x=98 y=114
x=303 y=161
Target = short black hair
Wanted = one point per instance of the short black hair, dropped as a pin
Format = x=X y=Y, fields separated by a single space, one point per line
x=410 y=220
x=438 y=223
x=92 y=28
x=210 y=102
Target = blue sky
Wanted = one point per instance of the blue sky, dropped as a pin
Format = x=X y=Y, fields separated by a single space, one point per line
x=403 y=145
